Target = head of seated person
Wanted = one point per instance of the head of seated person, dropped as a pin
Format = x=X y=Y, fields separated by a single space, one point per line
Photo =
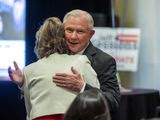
x=89 y=105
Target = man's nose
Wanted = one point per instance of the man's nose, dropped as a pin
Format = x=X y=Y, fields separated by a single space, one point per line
x=74 y=35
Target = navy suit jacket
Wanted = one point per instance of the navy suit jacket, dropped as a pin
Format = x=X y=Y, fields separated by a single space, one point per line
x=105 y=67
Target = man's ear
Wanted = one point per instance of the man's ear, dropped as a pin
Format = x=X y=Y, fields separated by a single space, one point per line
x=92 y=32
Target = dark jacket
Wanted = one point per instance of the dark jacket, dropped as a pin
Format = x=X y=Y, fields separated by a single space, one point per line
x=105 y=67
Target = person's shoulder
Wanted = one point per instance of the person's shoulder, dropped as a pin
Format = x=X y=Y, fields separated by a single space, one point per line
x=98 y=53
x=78 y=56
x=31 y=66
x=104 y=55
x=81 y=58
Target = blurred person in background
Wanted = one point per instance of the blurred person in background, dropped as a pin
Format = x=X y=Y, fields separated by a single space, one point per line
x=89 y=105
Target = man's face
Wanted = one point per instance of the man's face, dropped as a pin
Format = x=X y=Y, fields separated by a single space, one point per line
x=77 y=33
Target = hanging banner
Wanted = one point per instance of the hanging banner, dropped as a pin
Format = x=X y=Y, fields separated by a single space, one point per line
x=121 y=43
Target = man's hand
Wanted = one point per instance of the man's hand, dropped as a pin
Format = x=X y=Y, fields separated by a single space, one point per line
x=16 y=75
x=72 y=82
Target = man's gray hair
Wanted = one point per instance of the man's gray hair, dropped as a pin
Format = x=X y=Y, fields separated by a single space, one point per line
x=78 y=12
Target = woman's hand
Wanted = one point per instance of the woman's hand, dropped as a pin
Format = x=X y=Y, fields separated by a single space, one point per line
x=16 y=75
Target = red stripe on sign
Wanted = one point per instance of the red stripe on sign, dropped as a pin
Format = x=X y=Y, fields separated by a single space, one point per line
x=128 y=40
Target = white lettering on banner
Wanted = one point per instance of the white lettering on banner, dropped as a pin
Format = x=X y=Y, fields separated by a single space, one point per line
x=121 y=43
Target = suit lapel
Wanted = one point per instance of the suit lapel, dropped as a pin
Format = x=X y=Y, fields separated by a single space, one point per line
x=90 y=52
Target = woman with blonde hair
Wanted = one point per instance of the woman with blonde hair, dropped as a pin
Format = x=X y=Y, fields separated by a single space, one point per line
x=44 y=100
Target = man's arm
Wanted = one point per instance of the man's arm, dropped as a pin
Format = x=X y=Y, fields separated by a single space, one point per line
x=107 y=77
x=108 y=82
x=72 y=81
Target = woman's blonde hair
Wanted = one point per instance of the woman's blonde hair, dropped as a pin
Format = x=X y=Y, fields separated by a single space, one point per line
x=50 y=38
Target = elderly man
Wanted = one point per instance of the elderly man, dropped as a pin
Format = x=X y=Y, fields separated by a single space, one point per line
x=78 y=25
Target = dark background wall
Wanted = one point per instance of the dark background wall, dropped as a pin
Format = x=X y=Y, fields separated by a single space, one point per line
x=11 y=106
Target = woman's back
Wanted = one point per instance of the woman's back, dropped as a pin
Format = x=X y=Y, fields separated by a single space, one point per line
x=44 y=96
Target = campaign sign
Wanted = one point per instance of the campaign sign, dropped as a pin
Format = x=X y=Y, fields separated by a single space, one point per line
x=121 y=43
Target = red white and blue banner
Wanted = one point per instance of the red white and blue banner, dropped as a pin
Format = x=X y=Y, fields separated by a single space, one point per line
x=121 y=43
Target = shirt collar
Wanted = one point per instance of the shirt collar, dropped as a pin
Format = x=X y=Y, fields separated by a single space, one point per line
x=82 y=51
